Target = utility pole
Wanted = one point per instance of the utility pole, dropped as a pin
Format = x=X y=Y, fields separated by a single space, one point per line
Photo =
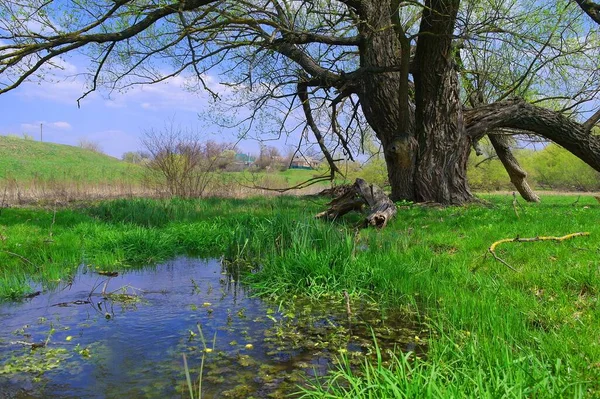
x=41 y=132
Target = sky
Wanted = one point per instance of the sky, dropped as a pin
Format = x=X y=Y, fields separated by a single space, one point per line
x=116 y=121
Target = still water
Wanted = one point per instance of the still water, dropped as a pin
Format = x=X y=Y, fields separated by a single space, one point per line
x=124 y=336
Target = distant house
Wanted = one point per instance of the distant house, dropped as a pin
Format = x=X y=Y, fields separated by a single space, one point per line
x=304 y=163
x=244 y=159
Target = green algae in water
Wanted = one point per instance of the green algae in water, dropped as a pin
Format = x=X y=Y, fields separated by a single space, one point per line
x=36 y=361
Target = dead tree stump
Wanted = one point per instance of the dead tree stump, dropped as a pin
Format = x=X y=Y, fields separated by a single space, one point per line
x=362 y=195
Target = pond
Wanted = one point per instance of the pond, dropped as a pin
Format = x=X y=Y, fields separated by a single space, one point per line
x=101 y=336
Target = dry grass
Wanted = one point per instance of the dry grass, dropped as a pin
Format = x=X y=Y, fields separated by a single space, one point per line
x=64 y=192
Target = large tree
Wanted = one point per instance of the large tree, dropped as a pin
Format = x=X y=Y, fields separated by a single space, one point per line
x=429 y=78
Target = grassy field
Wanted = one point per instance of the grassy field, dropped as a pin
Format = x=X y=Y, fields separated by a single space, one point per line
x=493 y=332
x=28 y=160
x=34 y=172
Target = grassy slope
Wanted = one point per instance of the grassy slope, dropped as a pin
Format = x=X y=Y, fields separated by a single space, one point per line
x=494 y=332
x=27 y=160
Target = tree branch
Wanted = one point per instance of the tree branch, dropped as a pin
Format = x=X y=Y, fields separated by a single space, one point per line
x=12 y=54
x=592 y=9
x=303 y=96
x=554 y=126
x=308 y=37
x=591 y=122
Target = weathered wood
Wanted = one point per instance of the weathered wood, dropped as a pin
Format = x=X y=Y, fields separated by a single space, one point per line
x=361 y=194
x=334 y=192
x=346 y=202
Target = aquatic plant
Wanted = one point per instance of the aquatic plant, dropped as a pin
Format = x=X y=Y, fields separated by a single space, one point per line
x=197 y=394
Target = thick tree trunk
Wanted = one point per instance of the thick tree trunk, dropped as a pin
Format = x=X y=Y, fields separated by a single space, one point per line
x=379 y=94
x=518 y=176
x=444 y=147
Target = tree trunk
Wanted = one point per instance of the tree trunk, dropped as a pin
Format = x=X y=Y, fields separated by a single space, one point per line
x=518 y=176
x=443 y=146
x=379 y=94
x=426 y=159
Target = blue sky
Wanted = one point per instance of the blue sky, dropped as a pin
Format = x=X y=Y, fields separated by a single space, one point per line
x=115 y=120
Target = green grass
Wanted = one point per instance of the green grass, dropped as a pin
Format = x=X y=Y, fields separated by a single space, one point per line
x=28 y=160
x=276 y=179
x=493 y=332
x=30 y=163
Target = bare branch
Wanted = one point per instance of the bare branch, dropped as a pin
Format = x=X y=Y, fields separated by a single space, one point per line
x=303 y=96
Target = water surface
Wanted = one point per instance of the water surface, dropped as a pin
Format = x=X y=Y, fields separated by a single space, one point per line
x=106 y=337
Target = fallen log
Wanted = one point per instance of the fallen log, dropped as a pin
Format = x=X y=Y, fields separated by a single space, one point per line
x=362 y=195
x=334 y=192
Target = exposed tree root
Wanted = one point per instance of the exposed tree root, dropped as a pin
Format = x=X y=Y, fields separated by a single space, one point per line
x=492 y=248
x=381 y=208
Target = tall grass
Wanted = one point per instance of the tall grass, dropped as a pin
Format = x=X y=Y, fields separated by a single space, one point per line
x=493 y=332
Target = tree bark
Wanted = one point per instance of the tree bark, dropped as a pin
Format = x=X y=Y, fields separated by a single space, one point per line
x=518 y=176
x=443 y=146
x=379 y=94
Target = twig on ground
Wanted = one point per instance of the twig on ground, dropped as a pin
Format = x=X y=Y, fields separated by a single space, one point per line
x=492 y=248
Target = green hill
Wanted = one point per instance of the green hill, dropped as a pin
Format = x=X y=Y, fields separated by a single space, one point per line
x=27 y=160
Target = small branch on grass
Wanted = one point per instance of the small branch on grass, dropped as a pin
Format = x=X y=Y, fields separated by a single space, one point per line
x=492 y=248
x=299 y=186
x=576 y=201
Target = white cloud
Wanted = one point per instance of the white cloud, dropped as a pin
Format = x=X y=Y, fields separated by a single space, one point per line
x=65 y=68
x=64 y=91
x=168 y=95
x=35 y=126
x=61 y=125
x=172 y=94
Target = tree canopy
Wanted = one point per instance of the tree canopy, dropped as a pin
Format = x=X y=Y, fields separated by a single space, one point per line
x=428 y=79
